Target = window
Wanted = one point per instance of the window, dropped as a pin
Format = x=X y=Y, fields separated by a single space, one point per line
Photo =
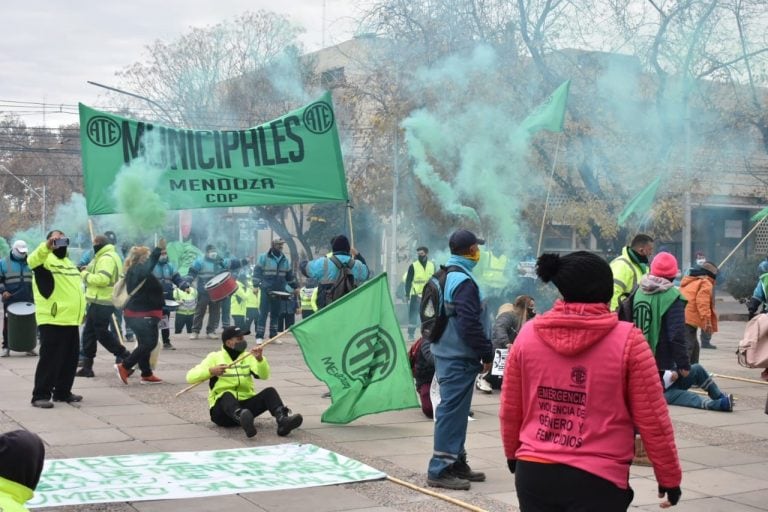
x=333 y=77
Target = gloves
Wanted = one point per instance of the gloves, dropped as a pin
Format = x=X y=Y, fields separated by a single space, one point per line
x=512 y=464
x=673 y=494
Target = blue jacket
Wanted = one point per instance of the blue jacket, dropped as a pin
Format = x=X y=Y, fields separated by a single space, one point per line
x=16 y=279
x=273 y=272
x=325 y=272
x=168 y=276
x=467 y=334
x=205 y=269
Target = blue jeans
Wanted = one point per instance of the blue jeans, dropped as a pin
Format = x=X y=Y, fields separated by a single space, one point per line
x=678 y=394
x=457 y=382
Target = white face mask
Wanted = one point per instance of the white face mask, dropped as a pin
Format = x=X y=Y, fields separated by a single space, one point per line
x=700 y=261
x=212 y=255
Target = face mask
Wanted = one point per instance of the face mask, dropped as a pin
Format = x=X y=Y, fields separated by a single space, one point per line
x=473 y=256
x=60 y=252
x=700 y=261
x=17 y=255
x=212 y=255
x=97 y=248
x=422 y=259
x=240 y=346
x=163 y=259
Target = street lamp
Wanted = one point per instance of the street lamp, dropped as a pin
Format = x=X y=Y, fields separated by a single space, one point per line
x=28 y=187
x=133 y=94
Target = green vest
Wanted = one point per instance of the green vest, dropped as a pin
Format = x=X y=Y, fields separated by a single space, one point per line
x=66 y=305
x=648 y=309
x=764 y=283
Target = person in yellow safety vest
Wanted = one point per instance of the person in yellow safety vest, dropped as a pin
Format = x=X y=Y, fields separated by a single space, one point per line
x=187 y=300
x=415 y=278
x=308 y=297
x=491 y=271
x=630 y=267
x=252 y=303
x=238 y=302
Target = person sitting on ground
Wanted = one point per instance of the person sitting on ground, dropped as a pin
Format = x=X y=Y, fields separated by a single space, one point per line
x=509 y=320
x=22 y=455
x=232 y=399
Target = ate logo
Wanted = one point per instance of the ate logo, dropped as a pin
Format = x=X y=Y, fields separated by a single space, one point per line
x=318 y=117
x=370 y=356
x=641 y=316
x=578 y=375
x=103 y=131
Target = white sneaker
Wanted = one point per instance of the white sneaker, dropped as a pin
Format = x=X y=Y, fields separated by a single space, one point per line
x=211 y=336
x=259 y=341
x=194 y=336
x=483 y=385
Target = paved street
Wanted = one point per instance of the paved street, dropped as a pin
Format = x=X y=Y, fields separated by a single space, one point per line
x=724 y=456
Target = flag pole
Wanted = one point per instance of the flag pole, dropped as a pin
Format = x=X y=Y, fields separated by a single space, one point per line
x=233 y=363
x=742 y=241
x=349 y=221
x=549 y=190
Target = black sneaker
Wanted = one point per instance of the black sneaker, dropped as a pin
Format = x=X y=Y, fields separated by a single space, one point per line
x=709 y=346
x=42 y=404
x=168 y=346
x=72 y=398
x=85 y=372
x=245 y=417
x=462 y=470
x=449 y=481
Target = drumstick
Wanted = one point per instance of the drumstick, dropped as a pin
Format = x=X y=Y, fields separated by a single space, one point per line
x=233 y=363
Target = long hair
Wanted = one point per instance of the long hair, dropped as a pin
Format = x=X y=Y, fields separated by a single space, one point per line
x=137 y=255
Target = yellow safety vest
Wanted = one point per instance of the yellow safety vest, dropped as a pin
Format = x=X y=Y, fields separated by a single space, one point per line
x=421 y=275
x=66 y=305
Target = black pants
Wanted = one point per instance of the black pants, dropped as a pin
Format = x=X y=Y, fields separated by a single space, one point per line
x=145 y=330
x=97 y=322
x=166 y=332
x=269 y=307
x=692 y=343
x=204 y=303
x=223 y=411
x=57 y=364
x=560 y=488
x=183 y=321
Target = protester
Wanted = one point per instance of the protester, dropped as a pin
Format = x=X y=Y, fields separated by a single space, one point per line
x=15 y=286
x=423 y=368
x=99 y=277
x=630 y=266
x=272 y=275
x=415 y=278
x=308 y=298
x=698 y=288
x=239 y=302
x=204 y=269
x=577 y=383
x=699 y=260
x=252 y=302
x=59 y=311
x=143 y=311
x=169 y=278
x=509 y=320
x=460 y=353
x=22 y=456
x=231 y=397
x=187 y=300
x=759 y=298
x=325 y=271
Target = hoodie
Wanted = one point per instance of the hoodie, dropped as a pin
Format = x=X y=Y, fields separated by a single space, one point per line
x=666 y=318
x=577 y=385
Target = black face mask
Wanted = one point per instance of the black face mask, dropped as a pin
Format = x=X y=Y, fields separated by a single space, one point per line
x=422 y=259
x=60 y=252
x=97 y=248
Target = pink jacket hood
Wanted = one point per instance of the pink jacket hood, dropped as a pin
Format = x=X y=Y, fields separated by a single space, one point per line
x=572 y=327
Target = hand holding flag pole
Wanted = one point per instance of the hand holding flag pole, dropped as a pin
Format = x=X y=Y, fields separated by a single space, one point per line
x=236 y=361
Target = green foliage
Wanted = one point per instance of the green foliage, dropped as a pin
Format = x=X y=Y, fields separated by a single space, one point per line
x=741 y=275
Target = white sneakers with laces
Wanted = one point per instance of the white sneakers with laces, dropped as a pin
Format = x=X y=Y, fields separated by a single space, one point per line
x=483 y=385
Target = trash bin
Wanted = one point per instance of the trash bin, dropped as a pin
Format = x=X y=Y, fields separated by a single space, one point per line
x=22 y=328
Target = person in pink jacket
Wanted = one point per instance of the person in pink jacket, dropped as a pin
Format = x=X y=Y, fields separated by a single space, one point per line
x=578 y=383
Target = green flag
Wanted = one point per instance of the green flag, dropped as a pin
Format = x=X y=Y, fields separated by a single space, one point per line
x=294 y=159
x=550 y=114
x=760 y=215
x=356 y=347
x=641 y=203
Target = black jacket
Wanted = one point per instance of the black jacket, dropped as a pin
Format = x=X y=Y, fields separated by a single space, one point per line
x=150 y=296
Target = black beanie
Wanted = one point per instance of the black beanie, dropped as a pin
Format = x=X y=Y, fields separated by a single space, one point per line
x=579 y=276
x=340 y=244
x=22 y=455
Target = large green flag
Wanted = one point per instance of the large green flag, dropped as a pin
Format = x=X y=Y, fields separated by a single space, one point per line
x=760 y=215
x=356 y=347
x=294 y=159
x=641 y=203
x=550 y=114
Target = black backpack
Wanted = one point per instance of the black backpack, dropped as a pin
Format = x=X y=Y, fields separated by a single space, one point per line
x=626 y=303
x=344 y=283
x=432 y=308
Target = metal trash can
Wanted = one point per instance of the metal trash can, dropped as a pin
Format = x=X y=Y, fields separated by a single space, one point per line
x=22 y=328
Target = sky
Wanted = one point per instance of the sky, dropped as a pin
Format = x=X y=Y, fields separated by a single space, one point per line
x=49 y=49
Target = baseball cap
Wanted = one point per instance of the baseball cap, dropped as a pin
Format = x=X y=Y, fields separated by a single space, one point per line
x=20 y=246
x=462 y=239
x=233 y=332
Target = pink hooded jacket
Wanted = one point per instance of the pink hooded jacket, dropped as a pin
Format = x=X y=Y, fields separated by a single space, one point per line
x=577 y=384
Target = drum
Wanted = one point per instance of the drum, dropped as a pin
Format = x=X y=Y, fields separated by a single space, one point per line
x=171 y=305
x=280 y=295
x=22 y=328
x=221 y=286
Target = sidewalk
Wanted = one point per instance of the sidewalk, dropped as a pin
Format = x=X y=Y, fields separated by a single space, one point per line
x=724 y=456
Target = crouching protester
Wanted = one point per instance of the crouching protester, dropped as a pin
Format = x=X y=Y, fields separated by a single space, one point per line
x=577 y=384
x=232 y=399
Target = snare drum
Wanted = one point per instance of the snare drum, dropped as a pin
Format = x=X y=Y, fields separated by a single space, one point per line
x=280 y=295
x=221 y=286
x=171 y=305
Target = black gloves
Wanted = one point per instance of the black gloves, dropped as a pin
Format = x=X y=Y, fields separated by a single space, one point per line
x=752 y=306
x=512 y=463
x=673 y=494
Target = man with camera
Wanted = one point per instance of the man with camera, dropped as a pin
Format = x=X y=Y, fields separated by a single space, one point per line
x=59 y=311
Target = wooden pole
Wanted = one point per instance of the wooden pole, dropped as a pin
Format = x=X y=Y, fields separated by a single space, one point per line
x=90 y=227
x=349 y=220
x=740 y=379
x=233 y=363
x=434 y=494
x=742 y=241
x=549 y=190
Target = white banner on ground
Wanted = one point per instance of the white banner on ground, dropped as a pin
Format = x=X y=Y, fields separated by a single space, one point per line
x=174 y=475
x=499 y=360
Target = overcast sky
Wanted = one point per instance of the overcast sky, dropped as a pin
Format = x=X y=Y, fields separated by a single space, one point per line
x=50 y=48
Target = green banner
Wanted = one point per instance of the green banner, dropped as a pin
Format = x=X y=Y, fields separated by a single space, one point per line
x=294 y=159
x=356 y=347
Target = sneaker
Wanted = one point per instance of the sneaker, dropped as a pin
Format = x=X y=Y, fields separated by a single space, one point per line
x=122 y=373
x=31 y=353
x=245 y=417
x=726 y=403
x=194 y=336
x=130 y=339
x=211 y=336
x=42 y=404
x=85 y=372
x=462 y=470
x=483 y=385
x=151 y=379
x=709 y=346
x=278 y=341
x=449 y=481
x=168 y=346
x=72 y=398
x=259 y=341
x=6 y=353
